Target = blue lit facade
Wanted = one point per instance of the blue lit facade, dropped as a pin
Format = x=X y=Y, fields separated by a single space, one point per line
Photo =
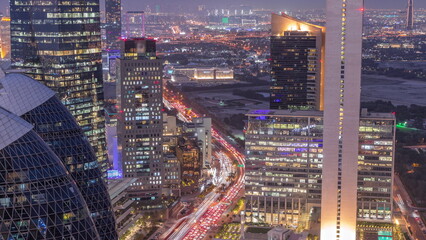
x=58 y=128
x=38 y=198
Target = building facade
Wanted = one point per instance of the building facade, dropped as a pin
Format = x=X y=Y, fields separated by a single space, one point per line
x=140 y=119
x=39 y=106
x=297 y=69
x=285 y=165
x=47 y=204
x=113 y=24
x=202 y=130
x=4 y=38
x=59 y=43
x=189 y=156
x=284 y=155
x=341 y=118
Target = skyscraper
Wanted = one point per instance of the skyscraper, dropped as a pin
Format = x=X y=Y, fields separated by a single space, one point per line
x=59 y=43
x=4 y=38
x=297 y=51
x=410 y=15
x=38 y=198
x=113 y=24
x=341 y=119
x=39 y=106
x=140 y=121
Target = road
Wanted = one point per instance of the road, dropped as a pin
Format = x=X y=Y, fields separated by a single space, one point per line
x=410 y=216
x=215 y=204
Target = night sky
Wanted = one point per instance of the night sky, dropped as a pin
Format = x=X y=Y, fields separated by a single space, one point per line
x=275 y=5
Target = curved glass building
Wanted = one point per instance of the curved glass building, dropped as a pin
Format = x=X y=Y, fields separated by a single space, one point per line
x=38 y=198
x=39 y=106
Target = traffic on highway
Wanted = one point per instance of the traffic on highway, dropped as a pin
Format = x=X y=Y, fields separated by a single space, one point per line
x=215 y=204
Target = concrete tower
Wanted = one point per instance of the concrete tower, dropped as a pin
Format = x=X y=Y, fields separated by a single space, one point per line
x=341 y=119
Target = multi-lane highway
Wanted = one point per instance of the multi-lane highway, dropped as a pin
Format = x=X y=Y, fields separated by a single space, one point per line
x=215 y=204
x=410 y=215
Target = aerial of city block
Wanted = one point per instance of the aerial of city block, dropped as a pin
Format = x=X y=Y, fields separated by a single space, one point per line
x=212 y=120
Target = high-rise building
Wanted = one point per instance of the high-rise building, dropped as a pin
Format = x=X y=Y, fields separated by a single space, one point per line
x=140 y=121
x=39 y=106
x=297 y=69
x=4 y=38
x=113 y=24
x=59 y=43
x=375 y=169
x=341 y=119
x=410 y=15
x=39 y=199
x=284 y=165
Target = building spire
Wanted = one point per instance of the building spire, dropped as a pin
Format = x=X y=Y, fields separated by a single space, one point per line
x=410 y=15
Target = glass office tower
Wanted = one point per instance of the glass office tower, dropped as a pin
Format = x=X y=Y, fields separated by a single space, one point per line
x=113 y=24
x=38 y=198
x=59 y=43
x=39 y=106
x=297 y=50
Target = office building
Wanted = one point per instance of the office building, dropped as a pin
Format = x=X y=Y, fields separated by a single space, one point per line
x=341 y=119
x=124 y=207
x=113 y=24
x=140 y=121
x=202 y=130
x=189 y=156
x=39 y=106
x=284 y=154
x=39 y=199
x=285 y=161
x=410 y=15
x=202 y=74
x=4 y=38
x=297 y=69
x=172 y=174
x=59 y=43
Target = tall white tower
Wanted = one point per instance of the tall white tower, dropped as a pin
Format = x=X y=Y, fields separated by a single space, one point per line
x=341 y=119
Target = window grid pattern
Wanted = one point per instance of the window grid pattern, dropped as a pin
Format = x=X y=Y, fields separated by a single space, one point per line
x=60 y=131
x=38 y=199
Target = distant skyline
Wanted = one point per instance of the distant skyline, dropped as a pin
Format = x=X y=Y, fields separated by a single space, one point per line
x=272 y=4
x=276 y=5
